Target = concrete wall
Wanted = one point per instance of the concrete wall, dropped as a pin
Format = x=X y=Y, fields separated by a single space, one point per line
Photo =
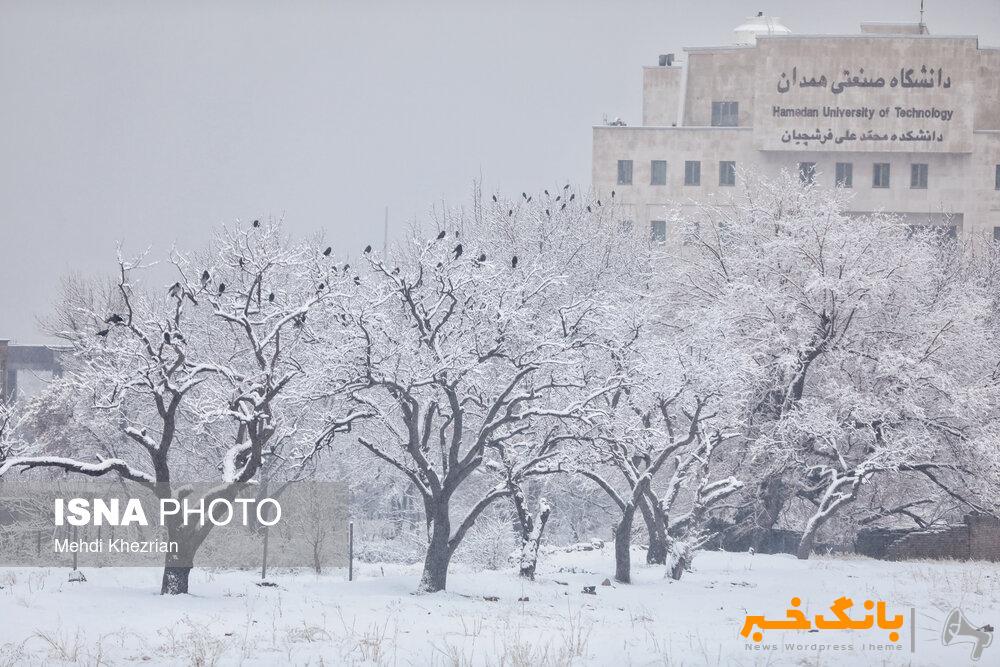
x=977 y=538
x=661 y=89
x=987 y=97
x=719 y=75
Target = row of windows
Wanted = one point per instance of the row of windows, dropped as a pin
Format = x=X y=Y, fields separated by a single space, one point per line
x=692 y=172
x=658 y=231
x=843 y=176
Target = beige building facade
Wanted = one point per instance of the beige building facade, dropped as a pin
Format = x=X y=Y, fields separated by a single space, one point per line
x=908 y=121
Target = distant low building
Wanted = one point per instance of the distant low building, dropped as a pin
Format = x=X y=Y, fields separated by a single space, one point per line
x=908 y=121
x=24 y=369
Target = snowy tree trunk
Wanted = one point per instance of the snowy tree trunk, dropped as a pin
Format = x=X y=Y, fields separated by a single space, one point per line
x=680 y=559
x=841 y=490
x=623 y=541
x=762 y=514
x=175 y=578
x=531 y=534
x=808 y=540
x=656 y=528
x=435 y=575
x=177 y=566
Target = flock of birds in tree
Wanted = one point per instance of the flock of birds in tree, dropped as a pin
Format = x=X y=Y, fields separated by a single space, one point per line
x=178 y=291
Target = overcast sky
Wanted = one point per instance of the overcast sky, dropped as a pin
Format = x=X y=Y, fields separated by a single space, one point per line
x=148 y=123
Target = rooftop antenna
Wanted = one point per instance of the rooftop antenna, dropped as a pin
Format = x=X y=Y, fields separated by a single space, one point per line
x=921 y=16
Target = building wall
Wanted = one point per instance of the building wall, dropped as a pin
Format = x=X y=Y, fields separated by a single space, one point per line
x=977 y=538
x=661 y=89
x=725 y=74
x=961 y=187
x=987 y=99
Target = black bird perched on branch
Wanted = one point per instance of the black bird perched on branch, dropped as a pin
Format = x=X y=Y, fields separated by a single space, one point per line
x=599 y=202
x=546 y=193
x=326 y=253
x=441 y=234
x=205 y=278
x=529 y=200
x=458 y=251
x=175 y=290
x=166 y=337
x=395 y=271
x=482 y=257
x=612 y=194
x=256 y=223
x=270 y=297
x=558 y=197
x=588 y=209
x=566 y=187
x=103 y=332
x=547 y=212
x=357 y=280
x=513 y=262
x=368 y=249
x=563 y=207
x=222 y=287
x=321 y=287
x=346 y=266
x=114 y=318
x=524 y=195
x=572 y=196
x=494 y=199
x=510 y=213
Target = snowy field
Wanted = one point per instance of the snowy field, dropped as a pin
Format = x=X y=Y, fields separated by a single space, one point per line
x=117 y=617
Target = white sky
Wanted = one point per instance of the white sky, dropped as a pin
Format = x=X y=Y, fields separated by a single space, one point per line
x=149 y=122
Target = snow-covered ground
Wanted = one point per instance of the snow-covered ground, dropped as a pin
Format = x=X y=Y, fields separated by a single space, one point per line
x=117 y=617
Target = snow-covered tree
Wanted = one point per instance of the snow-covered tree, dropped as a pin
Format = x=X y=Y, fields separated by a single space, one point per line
x=223 y=345
x=475 y=339
x=857 y=326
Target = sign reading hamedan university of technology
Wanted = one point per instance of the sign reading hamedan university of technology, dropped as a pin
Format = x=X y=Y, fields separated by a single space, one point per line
x=865 y=95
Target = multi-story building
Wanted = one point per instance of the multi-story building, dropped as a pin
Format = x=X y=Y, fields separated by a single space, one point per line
x=909 y=121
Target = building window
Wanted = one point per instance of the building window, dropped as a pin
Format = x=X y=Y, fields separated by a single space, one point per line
x=692 y=172
x=727 y=172
x=845 y=175
x=807 y=173
x=725 y=114
x=918 y=176
x=997 y=178
x=658 y=172
x=624 y=172
x=658 y=229
x=996 y=230
x=880 y=175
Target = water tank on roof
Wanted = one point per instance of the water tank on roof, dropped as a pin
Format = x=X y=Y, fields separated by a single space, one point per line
x=747 y=32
